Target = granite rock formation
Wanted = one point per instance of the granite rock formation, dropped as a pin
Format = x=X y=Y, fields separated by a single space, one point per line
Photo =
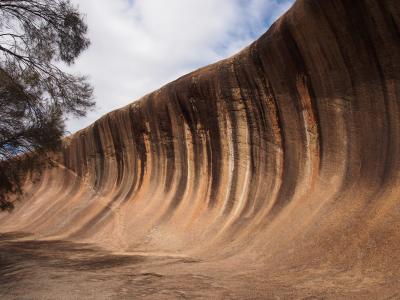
x=282 y=157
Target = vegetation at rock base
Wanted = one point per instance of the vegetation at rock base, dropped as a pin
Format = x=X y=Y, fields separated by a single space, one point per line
x=36 y=95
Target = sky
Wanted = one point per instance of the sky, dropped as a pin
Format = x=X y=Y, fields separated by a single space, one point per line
x=139 y=45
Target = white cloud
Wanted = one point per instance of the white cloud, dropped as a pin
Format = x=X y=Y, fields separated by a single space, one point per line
x=139 y=45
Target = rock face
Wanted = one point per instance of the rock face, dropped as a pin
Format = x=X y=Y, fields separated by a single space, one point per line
x=286 y=154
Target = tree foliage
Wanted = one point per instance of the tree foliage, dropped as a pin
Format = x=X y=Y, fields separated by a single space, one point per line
x=36 y=96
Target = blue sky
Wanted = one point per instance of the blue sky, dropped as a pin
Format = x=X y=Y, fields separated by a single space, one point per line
x=139 y=45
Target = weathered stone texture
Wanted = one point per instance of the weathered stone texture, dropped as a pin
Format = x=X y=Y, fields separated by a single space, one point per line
x=287 y=152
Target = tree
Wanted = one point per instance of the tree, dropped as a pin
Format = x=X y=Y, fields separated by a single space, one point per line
x=36 y=96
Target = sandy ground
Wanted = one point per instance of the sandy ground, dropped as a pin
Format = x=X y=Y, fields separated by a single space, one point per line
x=64 y=270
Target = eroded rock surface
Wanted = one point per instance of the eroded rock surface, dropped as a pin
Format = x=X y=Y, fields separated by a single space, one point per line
x=273 y=173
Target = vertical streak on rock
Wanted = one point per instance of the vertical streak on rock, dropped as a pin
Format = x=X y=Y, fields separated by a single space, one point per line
x=312 y=132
